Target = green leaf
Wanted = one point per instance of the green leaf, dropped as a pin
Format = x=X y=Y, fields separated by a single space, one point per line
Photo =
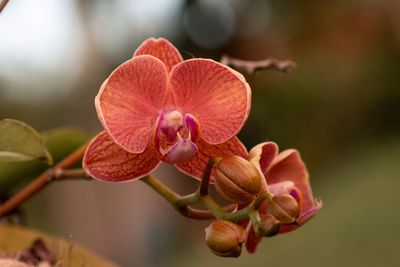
x=17 y=238
x=60 y=142
x=20 y=142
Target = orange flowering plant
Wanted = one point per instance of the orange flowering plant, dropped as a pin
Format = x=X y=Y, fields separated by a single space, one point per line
x=157 y=107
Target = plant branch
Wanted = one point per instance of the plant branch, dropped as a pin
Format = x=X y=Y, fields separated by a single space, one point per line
x=3 y=4
x=70 y=174
x=250 y=66
x=52 y=174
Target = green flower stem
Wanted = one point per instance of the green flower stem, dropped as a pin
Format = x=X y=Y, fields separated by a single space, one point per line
x=238 y=215
x=212 y=206
x=188 y=200
x=181 y=203
x=203 y=214
x=161 y=189
x=260 y=199
x=255 y=220
x=244 y=213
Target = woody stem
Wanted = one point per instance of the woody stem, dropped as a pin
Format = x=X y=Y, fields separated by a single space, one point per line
x=251 y=66
x=58 y=172
x=3 y=4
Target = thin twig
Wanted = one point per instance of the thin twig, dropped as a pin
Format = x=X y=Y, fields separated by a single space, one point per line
x=3 y=4
x=41 y=181
x=203 y=189
x=250 y=66
x=62 y=174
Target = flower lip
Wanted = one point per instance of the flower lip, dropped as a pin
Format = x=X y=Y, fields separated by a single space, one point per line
x=183 y=150
x=192 y=124
x=175 y=135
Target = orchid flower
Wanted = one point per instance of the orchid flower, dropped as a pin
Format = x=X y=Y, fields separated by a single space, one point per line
x=285 y=173
x=157 y=107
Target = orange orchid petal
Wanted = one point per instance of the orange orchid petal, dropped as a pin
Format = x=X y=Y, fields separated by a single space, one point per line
x=263 y=154
x=195 y=166
x=252 y=241
x=106 y=161
x=161 y=49
x=217 y=96
x=288 y=166
x=131 y=99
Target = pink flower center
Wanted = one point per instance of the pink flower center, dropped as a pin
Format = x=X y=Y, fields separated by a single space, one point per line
x=174 y=136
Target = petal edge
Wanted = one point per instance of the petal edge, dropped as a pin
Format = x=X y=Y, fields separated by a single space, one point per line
x=106 y=161
x=162 y=49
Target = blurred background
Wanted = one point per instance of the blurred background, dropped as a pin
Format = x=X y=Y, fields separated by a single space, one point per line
x=340 y=108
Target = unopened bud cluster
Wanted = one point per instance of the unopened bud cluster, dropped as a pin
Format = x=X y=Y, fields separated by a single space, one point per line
x=239 y=181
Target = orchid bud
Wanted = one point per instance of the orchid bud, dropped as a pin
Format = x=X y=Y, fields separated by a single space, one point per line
x=237 y=180
x=269 y=225
x=284 y=208
x=225 y=238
